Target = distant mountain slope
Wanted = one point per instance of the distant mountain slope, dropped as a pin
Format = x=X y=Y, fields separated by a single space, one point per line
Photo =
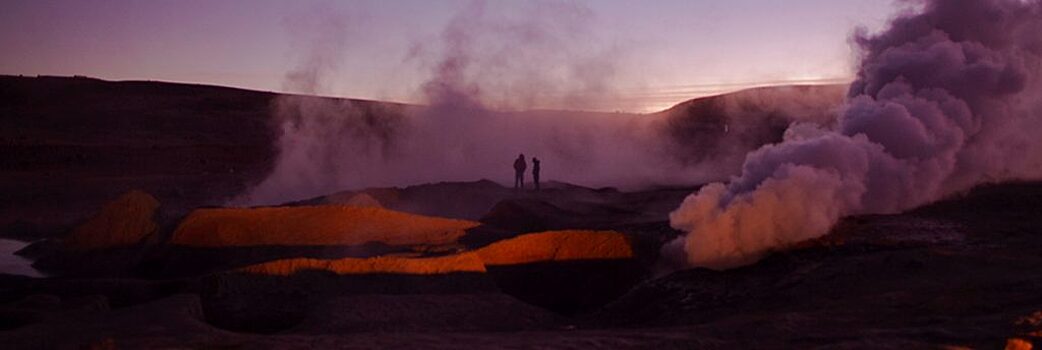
x=70 y=144
x=733 y=124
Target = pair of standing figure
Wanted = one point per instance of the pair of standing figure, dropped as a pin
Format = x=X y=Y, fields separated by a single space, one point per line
x=519 y=171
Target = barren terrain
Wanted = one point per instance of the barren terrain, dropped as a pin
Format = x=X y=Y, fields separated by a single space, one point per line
x=446 y=264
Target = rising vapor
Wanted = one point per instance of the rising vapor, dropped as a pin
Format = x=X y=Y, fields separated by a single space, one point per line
x=487 y=71
x=946 y=98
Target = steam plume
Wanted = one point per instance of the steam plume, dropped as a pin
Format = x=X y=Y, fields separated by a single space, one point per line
x=487 y=69
x=946 y=98
x=312 y=130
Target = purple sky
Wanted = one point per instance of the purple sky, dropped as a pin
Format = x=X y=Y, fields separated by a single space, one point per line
x=672 y=50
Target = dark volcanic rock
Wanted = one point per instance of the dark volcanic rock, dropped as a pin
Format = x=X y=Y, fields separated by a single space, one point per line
x=40 y=248
x=557 y=206
x=124 y=221
x=98 y=263
x=175 y=317
x=459 y=200
x=568 y=287
x=464 y=200
x=111 y=243
x=956 y=272
x=181 y=261
x=487 y=312
x=526 y=215
x=27 y=231
x=118 y=292
x=264 y=304
x=564 y=271
x=572 y=207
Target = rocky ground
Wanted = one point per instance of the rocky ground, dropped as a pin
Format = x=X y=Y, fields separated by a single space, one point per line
x=960 y=273
x=567 y=267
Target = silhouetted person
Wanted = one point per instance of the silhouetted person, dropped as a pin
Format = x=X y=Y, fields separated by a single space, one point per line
x=535 y=172
x=519 y=171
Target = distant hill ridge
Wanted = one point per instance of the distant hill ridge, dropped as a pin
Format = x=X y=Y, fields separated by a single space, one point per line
x=193 y=145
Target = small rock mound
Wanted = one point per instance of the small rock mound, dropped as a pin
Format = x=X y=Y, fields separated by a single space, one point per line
x=466 y=262
x=522 y=215
x=564 y=271
x=314 y=225
x=122 y=222
x=557 y=246
x=363 y=200
x=370 y=198
x=384 y=197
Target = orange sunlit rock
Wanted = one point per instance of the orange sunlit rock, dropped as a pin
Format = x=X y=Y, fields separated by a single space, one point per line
x=121 y=222
x=529 y=248
x=314 y=225
x=557 y=246
x=381 y=196
x=466 y=262
x=1018 y=344
x=363 y=200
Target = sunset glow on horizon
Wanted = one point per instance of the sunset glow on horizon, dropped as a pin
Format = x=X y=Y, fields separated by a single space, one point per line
x=660 y=54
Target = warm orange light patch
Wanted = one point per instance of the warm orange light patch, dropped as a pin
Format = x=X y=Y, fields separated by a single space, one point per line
x=529 y=248
x=1018 y=344
x=557 y=246
x=314 y=225
x=466 y=262
x=122 y=222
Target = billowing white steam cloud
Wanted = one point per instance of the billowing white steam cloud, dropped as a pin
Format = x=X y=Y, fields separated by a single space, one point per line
x=482 y=60
x=484 y=65
x=946 y=98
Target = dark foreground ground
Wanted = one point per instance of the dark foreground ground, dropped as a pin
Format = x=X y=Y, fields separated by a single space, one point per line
x=963 y=272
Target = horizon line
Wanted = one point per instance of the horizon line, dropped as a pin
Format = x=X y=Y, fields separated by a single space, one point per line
x=673 y=95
